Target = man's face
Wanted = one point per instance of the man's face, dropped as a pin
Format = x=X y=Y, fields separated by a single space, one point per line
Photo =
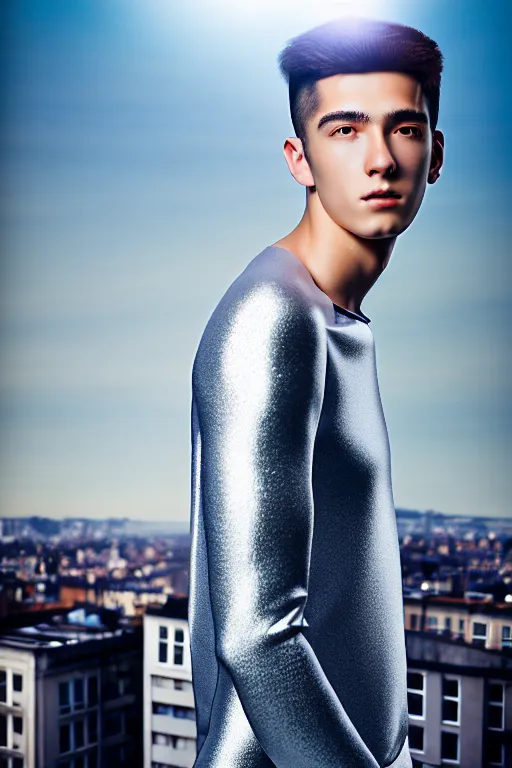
x=379 y=146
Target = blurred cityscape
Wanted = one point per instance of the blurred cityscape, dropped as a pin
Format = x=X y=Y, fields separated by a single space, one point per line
x=95 y=664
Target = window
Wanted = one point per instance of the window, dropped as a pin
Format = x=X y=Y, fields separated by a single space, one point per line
x=462 y=628
x=162 y=645
x=72 y=694
x=92 y=691
x=79 y=693
x=448 y=623
x=64 y=739
x=416 y=738
x=495 y=749
x=179 y=641
x=3 y=730
x=11 y=762
x=495 y=706
x=79 y=734
x=414 y=620
x=17 y=724
x=92 y=727
x=17 y=682
x=173 y=711
x=416 y=694
x=506 y=637
x=479 y=633
x=451 y=700
x=432 y=623
x=3 y=685
x=450 y=746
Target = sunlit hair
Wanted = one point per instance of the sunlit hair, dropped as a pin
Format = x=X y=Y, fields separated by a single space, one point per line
x=354 y=46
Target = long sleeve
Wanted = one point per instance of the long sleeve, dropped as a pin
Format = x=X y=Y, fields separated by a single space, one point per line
x=258 y=379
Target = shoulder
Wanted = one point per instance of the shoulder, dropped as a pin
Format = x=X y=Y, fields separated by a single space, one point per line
x=266 y=317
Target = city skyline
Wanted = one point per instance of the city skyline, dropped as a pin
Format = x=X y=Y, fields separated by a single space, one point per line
x=142 y=172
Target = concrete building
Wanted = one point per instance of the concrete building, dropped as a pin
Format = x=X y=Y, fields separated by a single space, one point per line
x=70 y=692
x=170 y=734
x=478 y=621
x=460 y=703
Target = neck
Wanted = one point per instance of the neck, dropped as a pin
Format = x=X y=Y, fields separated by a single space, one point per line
x=343 y=265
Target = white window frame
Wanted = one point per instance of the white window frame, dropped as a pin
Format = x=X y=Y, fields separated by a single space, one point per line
x=9 y=730
x=475 y=636
x=422 y=693
x=497 y=704
x=178 y=644
x=452 y=698
x=447 y=760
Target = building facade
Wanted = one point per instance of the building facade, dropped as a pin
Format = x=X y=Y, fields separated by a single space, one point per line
x=170 y=734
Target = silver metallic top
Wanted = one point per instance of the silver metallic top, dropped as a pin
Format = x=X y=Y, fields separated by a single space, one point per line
x=295 y=604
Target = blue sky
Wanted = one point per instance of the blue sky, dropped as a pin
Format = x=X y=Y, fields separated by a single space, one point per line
x=142 y=170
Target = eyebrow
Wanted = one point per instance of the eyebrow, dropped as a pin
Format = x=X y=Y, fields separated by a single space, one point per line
x=396 y=116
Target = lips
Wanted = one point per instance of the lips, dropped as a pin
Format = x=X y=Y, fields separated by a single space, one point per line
x=386 y=194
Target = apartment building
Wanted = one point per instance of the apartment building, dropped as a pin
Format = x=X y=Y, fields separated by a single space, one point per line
x=170 y=734
x=472 y=619
x=460 y=703
x=70 y=693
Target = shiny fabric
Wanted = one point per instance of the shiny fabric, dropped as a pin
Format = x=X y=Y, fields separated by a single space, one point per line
x=295 y=604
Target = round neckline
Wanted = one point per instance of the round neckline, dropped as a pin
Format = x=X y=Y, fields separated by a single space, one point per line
x=343 y=310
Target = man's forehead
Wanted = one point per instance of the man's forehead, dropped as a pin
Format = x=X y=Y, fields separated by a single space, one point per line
x=372 y=92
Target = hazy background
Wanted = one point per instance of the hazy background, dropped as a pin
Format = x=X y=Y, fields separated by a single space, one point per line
x=141 y=171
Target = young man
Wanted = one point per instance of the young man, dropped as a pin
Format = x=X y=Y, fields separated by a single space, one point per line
x=296 y=614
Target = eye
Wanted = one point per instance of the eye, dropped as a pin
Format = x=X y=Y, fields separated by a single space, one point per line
x=417 y=132
x=340 y=131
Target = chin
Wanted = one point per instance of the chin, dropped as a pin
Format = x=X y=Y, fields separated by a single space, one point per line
x=378 y=230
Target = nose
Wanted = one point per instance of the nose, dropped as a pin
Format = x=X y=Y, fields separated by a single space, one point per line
x=378 y=156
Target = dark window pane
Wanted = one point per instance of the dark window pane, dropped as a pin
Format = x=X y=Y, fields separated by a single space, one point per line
x=3 y=730
x=495 y=716
x=414 y=620
x=17 y=762
x=163 y=633
x=65 y=743
x=79 y=762
x=495 y=747
x=3 y=685
x=416 y=737
x=93 y=759
x=92 y=691
x=415 y=680
x=17 y=724
x=448 y=622
x=79 y=733
x=479 y=629
x=92 y=724
x=179 y=637
x=178 y=654
x=79 y=693
x=17 y=682
x=449 y=742
x=495 y=692
x=63 y=694
x=162 y=653
x=415 y=703
x=450 y=710
x=450 y=687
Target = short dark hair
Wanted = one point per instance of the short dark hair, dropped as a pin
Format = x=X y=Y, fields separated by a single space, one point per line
x=353 y=46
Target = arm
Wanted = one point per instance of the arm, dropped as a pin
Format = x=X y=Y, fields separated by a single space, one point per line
x=258 y=378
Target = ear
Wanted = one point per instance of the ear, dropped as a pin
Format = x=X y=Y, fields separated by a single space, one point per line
x=437 y=157
x=295 y=157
